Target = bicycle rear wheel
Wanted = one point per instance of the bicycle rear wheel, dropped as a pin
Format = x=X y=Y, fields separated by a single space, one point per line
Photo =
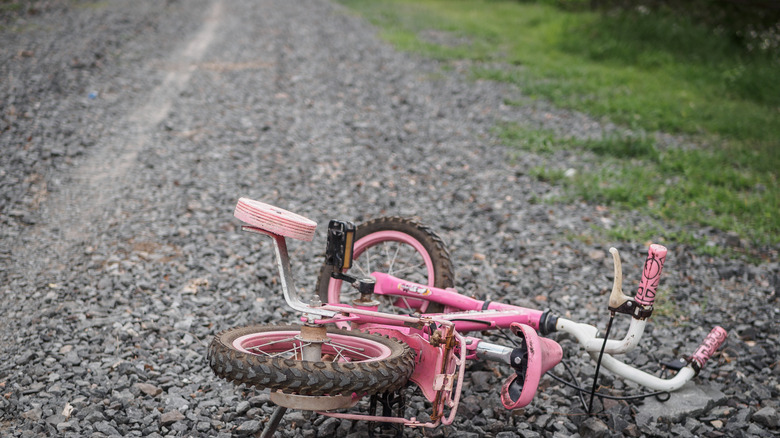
x=269 y=356
x=400 y=247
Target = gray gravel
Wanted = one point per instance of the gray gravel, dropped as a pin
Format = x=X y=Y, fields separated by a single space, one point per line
x=129 y=130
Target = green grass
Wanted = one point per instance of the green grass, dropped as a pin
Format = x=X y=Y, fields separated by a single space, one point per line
x=10 y=7
x=548 y=175
x=686 y=186
x=655 y=72
x=665 y=306
x=650 y=72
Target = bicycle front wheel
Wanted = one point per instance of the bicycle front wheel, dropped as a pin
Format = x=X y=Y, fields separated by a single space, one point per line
x=400 y=247
x=270 y=357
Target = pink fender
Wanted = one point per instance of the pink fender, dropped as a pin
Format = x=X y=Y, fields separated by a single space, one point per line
x=428 y=359
x=543 y=354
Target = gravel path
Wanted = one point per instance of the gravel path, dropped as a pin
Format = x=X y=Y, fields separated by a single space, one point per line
x=129 y=130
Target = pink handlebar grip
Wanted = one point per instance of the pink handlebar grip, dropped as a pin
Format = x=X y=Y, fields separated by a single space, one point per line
x=651 y=274
x=712 y=342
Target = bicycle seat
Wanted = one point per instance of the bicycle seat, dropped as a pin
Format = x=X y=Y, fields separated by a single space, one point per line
x=274 y=220
x=534 y=358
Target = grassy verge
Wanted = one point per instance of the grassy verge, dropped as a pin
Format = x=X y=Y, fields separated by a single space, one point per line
x=650 y=72
x=687 y=186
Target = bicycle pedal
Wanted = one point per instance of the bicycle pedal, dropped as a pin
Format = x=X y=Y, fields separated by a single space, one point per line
x=341 y=241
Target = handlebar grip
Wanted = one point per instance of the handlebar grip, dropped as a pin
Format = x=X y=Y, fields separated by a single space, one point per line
x=712 y=342
x=651 y=274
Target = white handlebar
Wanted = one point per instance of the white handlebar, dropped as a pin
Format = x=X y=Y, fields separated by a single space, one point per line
x=586 y=335
x=643 y=378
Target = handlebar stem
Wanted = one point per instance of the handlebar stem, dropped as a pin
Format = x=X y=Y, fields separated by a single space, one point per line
x=494 y=352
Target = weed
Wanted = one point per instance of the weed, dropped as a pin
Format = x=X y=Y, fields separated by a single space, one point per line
x=547 y=174
x=620 y=145
x=665 y=306
x=537 y=141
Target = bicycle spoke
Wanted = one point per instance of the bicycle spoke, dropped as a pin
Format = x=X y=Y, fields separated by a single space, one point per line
x=297 y=346
x=396 y=256
x=407 y=269
x=359 y=263
x=340 y=348
x=363 y=263
x=368 y=261
x=297 y=350
x=408 y=307
x=392 y=260
x=343 y=352
x=258 y=347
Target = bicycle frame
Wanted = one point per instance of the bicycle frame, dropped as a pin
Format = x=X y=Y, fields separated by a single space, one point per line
x=470 y=317
x=441 y=348
x=475 y=315
x=478 y=315
x=440 y=367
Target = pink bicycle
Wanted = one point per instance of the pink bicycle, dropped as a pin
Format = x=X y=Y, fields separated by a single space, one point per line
x=346 y=348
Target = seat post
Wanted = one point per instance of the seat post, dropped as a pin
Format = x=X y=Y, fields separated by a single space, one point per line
x=285 y=273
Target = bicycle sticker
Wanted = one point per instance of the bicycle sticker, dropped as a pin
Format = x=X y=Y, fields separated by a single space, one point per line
x=414 y=289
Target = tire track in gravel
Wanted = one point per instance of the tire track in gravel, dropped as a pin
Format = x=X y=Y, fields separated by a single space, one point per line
x=108 y=169
x=73 y=214
x=98 y=180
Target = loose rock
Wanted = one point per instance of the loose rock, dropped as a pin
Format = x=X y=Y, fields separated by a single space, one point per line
x=128 y=133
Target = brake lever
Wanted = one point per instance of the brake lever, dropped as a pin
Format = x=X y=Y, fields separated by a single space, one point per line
x=641 y=306
x=618 y=301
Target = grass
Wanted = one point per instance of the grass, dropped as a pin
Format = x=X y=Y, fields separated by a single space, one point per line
x=645 y=71
x=664 y=306
x=10 y=7
x=685 y=186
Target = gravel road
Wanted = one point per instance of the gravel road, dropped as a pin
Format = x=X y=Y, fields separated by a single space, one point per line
x=128 y=131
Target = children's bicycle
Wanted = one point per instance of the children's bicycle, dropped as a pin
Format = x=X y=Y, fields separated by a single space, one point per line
x=346 y=349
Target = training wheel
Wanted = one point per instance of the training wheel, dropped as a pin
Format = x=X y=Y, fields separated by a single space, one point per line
x=275 y=220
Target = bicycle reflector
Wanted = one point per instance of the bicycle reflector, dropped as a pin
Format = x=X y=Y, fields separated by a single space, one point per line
x=341 y=242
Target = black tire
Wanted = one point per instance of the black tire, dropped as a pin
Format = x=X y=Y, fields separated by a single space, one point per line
x=407 y=229
x=387 y=371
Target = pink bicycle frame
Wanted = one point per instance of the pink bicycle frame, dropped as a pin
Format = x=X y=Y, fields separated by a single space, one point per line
x=439 y=369
x=491 y=314
x=439 y=364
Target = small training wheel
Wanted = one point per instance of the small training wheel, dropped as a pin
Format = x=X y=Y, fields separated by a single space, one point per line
x=274 y=220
